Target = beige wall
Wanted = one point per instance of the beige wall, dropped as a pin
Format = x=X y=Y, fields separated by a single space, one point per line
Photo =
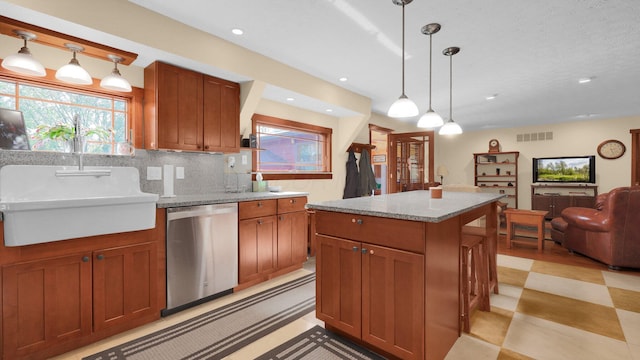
x=569 y=139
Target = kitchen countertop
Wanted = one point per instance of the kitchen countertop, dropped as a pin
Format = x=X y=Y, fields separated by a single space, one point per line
x=220 y=198
x=412 y=205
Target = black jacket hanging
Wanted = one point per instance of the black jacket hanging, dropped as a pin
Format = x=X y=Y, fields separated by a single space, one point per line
x=353 y=178
x=367 y=177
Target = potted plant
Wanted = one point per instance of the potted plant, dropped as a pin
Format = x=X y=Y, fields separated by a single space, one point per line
x=63 y=135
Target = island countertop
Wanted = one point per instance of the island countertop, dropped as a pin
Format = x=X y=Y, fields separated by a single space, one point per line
x=219 y=198
x=412 y=205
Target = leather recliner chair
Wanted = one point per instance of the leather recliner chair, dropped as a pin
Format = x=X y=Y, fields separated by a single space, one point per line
x=610 y=233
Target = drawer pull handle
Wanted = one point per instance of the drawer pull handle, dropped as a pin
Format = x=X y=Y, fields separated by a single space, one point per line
x=85 y=259
x=355 y=248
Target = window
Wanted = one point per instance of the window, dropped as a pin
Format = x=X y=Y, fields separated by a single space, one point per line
x=291 y=150
x=104 y=118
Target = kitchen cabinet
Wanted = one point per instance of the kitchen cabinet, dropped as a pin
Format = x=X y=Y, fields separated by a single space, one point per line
x=257 y=241
x=292 y=232
x=556 y=197
x=370 y=291
x=497 y=172
x=187 y=110
x=62 y=295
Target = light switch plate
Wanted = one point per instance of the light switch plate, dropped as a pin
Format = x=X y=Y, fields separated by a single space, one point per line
x=179 y=172
x=154 y=173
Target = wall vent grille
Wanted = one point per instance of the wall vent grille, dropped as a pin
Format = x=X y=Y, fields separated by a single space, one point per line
x=536 y=136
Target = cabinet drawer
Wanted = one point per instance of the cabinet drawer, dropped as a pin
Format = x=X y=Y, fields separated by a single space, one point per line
x=291 y=204
x=256 y=208
x=394 y=233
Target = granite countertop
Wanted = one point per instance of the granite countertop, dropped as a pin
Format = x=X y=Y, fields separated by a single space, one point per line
x=220 y=198
x=412 y=205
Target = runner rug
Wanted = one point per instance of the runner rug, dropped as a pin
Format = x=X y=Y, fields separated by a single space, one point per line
x=319 y=344
x=225 y=330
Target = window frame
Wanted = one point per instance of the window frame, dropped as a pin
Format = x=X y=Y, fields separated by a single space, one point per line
x=258 y=119
x=134 y=99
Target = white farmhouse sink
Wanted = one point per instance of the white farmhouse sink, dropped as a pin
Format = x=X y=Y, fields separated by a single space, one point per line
x=43 y=203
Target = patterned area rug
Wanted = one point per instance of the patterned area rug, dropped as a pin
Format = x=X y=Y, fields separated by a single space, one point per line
x=222 y=331
x=319 y=344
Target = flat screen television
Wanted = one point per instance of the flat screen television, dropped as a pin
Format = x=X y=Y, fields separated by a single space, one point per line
x=565 y=169
x=13 y=135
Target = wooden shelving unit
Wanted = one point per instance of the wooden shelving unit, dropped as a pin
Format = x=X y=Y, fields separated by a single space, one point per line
x=497 y=172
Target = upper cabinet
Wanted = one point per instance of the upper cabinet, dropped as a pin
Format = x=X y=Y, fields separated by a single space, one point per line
x=187 y=110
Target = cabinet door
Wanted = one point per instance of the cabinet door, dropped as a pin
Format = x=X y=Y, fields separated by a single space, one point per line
x=124 y=284
x=583 y=201
x=221 y=115
x=257 y=248
x=179 y=108
x=393 y=301
x=542 y=202
x=44 y=303
x=292 y=239
x=338 y=284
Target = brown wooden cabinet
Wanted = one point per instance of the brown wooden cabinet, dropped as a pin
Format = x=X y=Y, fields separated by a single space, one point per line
x=555 y=198
x=292 y=232
x=257 y=240
x=374 y=293
x=62 y=295
x=44 y=304
x=187 y=110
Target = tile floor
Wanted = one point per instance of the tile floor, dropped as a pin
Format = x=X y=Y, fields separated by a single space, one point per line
x=544 y=311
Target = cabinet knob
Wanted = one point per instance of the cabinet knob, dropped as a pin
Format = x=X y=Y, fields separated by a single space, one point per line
x=292 y=201
x=364 y=251
x=85 y=259
x=259 y=204
x=100 y=257
x=259 y=222
x=206 y=147
x=359 y=221
x=281 y=217
x=371 y=252
x=355 y=248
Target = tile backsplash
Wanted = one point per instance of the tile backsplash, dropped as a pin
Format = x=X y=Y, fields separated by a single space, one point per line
x=203 y=172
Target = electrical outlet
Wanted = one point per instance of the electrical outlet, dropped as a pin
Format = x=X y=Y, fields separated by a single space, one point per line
x=232 y=161
x=179 y=172
x=244 y=159
x=154 y=173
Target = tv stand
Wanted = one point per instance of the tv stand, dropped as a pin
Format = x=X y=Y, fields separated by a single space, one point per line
x=556 y=197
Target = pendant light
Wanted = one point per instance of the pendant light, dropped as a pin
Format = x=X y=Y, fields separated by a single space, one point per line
x=115 y=81
x=23 y=62
x=73 y=73
x=403 y=107
x=450 y=127
x=430 y=119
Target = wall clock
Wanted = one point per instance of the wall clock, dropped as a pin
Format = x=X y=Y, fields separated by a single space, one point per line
x=611 y=149
x=494 y=146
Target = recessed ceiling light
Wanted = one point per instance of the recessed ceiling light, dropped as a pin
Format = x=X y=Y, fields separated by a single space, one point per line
x=343 y=79
x=237 y=31
x=329 y=110
x=290 y=99
x=491 y=97
x=585 y=80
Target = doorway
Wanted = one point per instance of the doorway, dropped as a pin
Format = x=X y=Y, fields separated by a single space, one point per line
x=411 y=161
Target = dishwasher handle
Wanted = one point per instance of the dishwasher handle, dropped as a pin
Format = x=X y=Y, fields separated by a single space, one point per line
x=201 y=210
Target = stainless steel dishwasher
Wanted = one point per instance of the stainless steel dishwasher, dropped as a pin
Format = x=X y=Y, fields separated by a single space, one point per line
x=202 y=254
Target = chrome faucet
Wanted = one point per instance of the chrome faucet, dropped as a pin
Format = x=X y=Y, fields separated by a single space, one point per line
x=78 y=140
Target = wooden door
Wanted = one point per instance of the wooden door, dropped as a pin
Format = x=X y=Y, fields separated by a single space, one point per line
x=338 y=285
x=292 y=239
x=257 y=248
x=635 y=157
x=221 y=115
x=45 y=303
x=410 y=161
x=393 y=301
x=124 y=284
x=179 y=108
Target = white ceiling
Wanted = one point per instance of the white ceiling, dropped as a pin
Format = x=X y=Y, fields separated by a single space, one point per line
x=530 y=53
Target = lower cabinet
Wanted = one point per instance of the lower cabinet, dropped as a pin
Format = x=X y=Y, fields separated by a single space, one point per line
x=272 y=238
x=373 y=293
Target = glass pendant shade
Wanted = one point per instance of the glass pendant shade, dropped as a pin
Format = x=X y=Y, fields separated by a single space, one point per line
x=450 y=128
x=430 y=119
x=23 y=62
x=115 y=81
x=403 y=108
x=73 y=73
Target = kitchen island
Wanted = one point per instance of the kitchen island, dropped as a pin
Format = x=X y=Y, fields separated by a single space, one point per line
x=388 y=272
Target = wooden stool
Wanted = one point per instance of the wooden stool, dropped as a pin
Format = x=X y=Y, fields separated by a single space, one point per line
x=491 y=251
x=473 y=277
